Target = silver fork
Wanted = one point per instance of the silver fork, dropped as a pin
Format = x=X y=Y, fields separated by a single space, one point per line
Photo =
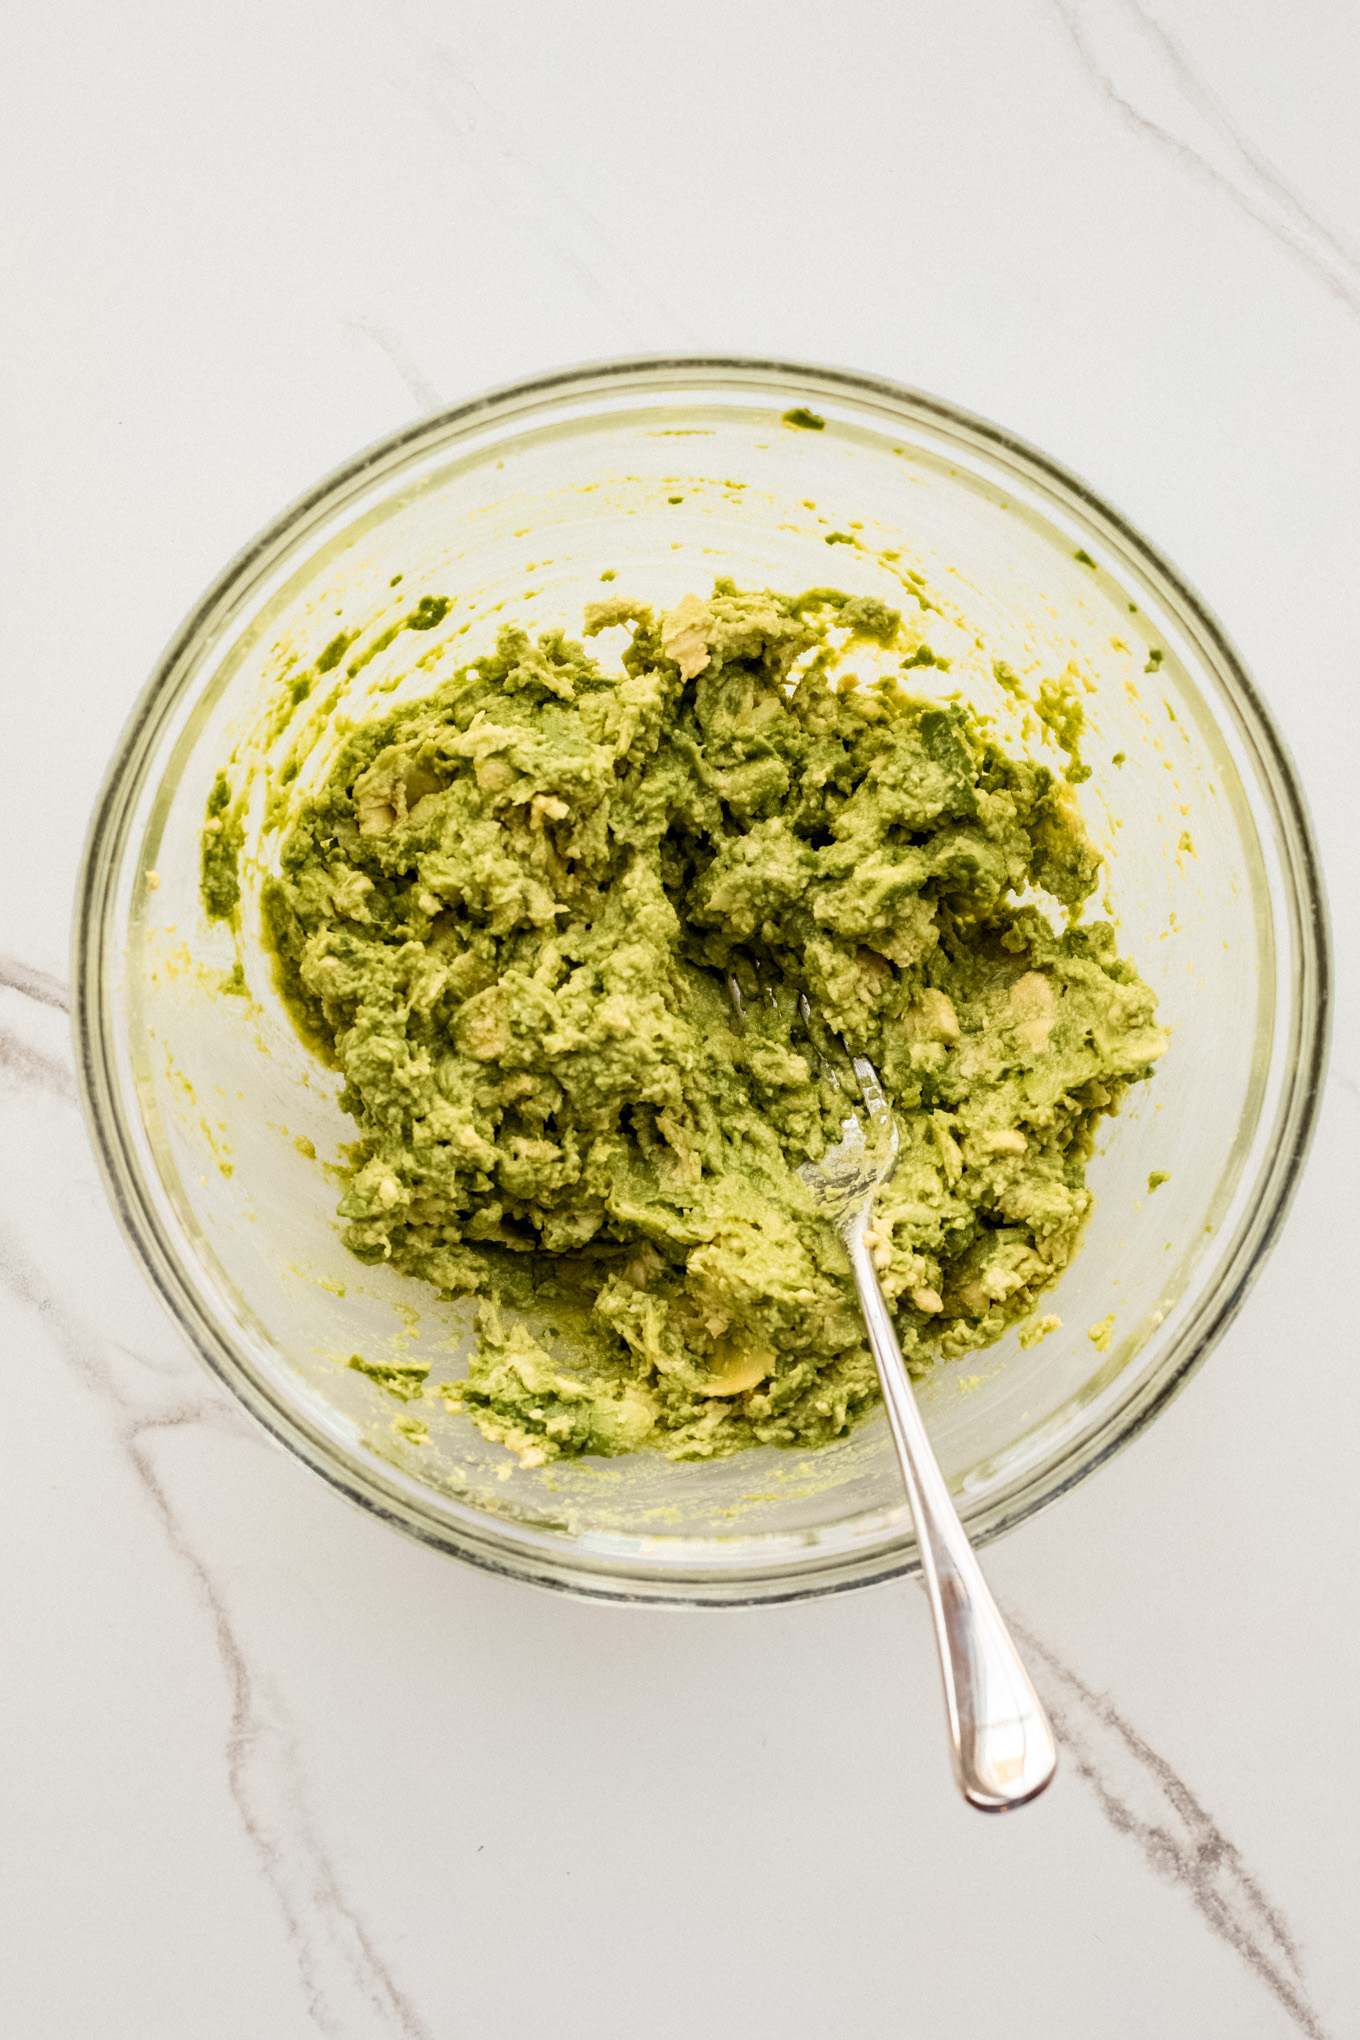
x=1003 y=1748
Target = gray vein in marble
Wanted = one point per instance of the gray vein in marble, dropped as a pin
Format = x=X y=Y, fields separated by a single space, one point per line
x=34 y=984
x=1143 y=1798
x=346 y=1984
x=493 y=152
x=21 y=1063
x=390 y=342
x=1243 y=173
x=341 y=1969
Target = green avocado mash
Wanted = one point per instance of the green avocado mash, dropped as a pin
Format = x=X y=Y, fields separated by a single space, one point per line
x=513 y=915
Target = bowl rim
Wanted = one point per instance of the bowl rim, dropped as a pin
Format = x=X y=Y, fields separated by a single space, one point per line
x=535 y=1557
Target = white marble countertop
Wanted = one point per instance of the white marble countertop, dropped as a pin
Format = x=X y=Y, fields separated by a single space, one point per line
x=267 y=1768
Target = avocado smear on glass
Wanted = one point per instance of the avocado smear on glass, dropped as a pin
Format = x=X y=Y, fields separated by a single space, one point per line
x=512 y=916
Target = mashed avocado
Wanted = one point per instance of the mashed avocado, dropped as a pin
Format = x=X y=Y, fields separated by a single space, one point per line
x=513 y=916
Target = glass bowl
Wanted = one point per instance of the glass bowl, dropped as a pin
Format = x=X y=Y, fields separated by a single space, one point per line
x=665 y=473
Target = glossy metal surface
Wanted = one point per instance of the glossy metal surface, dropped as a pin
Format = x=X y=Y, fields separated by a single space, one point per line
x=1002 y=1744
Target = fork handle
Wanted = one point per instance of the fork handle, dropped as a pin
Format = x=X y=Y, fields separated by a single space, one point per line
x=1003 y=1747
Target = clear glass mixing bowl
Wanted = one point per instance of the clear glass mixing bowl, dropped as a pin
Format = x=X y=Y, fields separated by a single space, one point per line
x=665 y=473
